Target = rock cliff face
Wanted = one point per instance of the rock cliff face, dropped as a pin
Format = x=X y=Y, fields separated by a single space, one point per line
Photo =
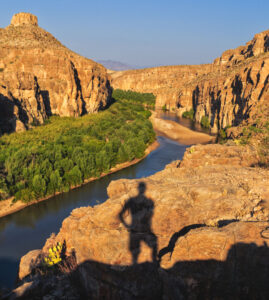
x=226 y=91
x=207 y=215
x=41 y=77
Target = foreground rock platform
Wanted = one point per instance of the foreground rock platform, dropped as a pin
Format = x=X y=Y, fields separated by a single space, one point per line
x=207 y=215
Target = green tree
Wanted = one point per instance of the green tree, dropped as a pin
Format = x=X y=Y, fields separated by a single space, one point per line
x=55 y=182
x=39 y=186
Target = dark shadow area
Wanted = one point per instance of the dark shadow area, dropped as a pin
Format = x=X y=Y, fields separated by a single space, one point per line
x=141 y=209
x=6 y=115
x=11 y=110
x=10 y=266
x=79 y=90
x=175 y=237
x=244 y=108
x=215 y=108
x=46 y=100
x=243 y=275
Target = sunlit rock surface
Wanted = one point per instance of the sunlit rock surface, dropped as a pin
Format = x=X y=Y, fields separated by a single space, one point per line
x=40 y=77
x=209 y=217
x=231 y=89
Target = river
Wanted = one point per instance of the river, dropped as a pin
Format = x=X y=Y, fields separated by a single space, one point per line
x=29 y=228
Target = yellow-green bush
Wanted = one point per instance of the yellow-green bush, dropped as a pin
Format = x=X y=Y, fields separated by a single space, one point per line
x=54 y=256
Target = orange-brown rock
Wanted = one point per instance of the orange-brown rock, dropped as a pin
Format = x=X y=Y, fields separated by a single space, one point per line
x=226 y=91
x=21 y=104
x=164 y=82
x=210 y=212
x=68 y=84
x=24 y=19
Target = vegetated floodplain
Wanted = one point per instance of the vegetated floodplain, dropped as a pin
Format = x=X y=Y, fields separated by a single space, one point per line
x=66 y=151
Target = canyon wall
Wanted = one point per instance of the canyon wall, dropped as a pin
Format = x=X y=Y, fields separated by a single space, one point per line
x=228 y=91
x=40 y=77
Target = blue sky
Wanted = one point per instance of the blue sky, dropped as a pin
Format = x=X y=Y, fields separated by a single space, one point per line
x=147 y=32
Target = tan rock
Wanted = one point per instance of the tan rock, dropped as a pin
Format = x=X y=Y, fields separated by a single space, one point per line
x=27 y=263
x=210 y=194
x=24 y=19
x=232 y=89
x=210 y=221
x=32 y=59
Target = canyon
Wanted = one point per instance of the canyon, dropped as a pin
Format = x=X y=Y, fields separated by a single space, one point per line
x=205 y=219
x=40 y=77
x=228 y=91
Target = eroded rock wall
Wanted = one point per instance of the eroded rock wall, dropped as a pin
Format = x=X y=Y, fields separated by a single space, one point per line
x=69 y=84
x=226 y=91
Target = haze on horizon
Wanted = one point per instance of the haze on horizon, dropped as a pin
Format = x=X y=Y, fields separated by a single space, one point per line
x=147 y=33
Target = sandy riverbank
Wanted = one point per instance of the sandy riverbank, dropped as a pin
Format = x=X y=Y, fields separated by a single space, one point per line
x=179 y=133
x=7 y=207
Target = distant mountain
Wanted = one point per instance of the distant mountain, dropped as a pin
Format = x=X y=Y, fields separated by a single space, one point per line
x=116 y=65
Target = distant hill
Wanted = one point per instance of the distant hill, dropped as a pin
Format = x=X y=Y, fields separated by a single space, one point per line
x=116 y=65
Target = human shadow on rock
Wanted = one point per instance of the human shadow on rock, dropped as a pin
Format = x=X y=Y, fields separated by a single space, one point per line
x=141 y=209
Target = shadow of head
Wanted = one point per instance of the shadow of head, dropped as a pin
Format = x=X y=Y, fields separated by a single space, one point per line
x=142 y=187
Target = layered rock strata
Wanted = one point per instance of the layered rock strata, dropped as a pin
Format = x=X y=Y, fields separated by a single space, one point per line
x=209 y=221
x=36 y=68
x=226 y=91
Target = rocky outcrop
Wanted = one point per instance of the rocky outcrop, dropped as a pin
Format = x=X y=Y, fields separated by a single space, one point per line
x=59 y=81
x=207 y=215
x=227 y=91
x=24 y=19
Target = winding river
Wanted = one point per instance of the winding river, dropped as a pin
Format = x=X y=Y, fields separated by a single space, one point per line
x=29 y=228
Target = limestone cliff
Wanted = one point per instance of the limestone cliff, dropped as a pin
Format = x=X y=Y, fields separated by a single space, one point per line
x=208 y=219
x=59 y=81
x=226 y=91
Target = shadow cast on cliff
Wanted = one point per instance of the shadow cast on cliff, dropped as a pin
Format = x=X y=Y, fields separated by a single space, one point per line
x=243 y=275
x=8 y=114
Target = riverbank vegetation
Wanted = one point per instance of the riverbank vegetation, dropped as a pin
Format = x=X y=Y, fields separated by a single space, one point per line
x=66 y=151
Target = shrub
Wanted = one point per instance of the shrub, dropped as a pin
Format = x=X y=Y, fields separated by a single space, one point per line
x=188 y=114
x=54 y=256
x=205 y=122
